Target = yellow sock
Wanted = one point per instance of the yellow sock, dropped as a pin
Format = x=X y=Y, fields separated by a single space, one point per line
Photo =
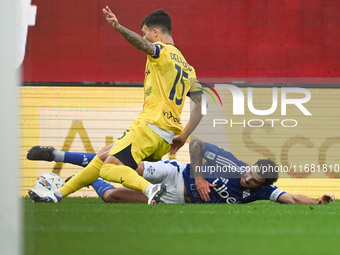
x=124 y=175
x=85 y=177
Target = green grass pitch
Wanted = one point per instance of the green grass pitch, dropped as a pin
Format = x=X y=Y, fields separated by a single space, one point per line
x=89 y=226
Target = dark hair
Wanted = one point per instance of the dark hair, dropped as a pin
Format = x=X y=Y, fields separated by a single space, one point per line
x=268 y=170
x=160 y=19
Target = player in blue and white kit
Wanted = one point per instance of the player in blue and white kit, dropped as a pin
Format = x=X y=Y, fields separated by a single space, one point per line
x=225 y=179
x=242 y=184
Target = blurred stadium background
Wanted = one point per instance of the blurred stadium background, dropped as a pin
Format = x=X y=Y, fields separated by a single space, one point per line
x=82 y=83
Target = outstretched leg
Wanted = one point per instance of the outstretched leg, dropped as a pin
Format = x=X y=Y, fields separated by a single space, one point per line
x=83 y=178
x=49 y=153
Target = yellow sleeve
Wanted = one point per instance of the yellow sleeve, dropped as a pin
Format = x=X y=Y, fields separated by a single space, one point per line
x=195 y=85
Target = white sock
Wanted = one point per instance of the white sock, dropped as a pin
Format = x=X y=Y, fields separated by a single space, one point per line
x=59 y=156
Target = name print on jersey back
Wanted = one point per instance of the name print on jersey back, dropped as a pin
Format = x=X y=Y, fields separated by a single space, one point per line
x=178 y=59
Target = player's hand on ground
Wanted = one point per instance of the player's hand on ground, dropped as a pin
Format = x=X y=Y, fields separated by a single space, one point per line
x=325 y=199
x=110 y=17
x=177 y=143
x=203 y=188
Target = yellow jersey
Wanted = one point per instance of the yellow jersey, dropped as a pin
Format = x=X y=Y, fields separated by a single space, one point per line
x=168 y=79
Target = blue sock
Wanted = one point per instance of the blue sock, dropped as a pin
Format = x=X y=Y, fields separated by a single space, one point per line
x=101 y=186
x=78 y=158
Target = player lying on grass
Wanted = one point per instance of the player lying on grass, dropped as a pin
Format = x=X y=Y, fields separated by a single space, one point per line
x=244 y=187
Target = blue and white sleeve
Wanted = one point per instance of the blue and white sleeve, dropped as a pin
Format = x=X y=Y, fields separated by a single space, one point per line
x=271 y=193
x=210 y=152
x=274 y=196
x=217 y=155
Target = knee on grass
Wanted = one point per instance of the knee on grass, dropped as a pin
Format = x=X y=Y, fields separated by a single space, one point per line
x=109 y=196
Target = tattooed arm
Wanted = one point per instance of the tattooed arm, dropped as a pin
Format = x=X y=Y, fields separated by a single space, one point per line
x=133 y=38
x=196 y=148
x=196 y=156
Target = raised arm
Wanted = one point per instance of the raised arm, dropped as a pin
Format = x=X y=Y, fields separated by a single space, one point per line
x=133 y=38
x=300 y=199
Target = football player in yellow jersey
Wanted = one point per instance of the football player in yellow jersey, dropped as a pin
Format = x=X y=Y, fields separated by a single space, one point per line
x=158 y=129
